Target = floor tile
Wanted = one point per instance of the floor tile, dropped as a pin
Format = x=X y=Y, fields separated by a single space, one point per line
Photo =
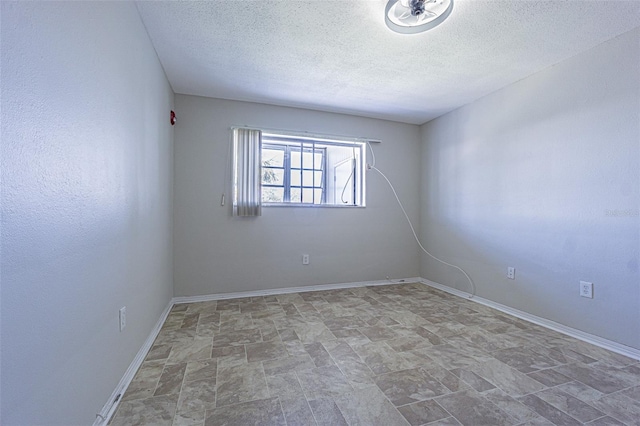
x=237 y=337
x=456 y=356
x=408 y=386
x=326 y=412
x=350 y=321
x=470 y=408
x=357 y=372
x=548 y=411
x=350 y=356
x=253 y=307
x=288 y=334
x=158 y=352
x=368 y=406
x=241 y=383
x=340 y=349
x=195 y=398
x=264 y=351
x=381 y=358
x=423 y=412
x=318 y=354
x=288 y=364
x=549 y=377
x=403 y=344
x=485 y=340
x=190 y=320
x=157 y=410
x=199 y=348
x=446 y=377
x=229 y=356
x=209 y=318
x=313 y=332
x=235 y=321
x=428 y=336
x=581 y=391
x=181 y=307
x=145 y=381
x=506 y=378
x=171 y=379
x=605 y=381
x=605 y=421
x=297 y=411
x=175 y=337
x=260 y=412
x=576 y=408
x=515 y=409
x=378 y=333
x=294 y=405
x=323 y=382
x=201 y=307
x=600 y=354
x=524 y=360
x=269 y=332
x=623 y=406
x=472 y=379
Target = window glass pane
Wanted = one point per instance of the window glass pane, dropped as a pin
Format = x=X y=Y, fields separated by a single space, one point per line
x=316 y=156
x=307 y=195
x=272 y=157
x=272 y=195
x=295 y=195
x=295 y=177
x=272 y=176
x=318 y=196
x=307 y=178
x=317 y=178
x=307 y=160
x=295 y=159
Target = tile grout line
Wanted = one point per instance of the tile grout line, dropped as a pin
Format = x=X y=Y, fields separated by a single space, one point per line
x=306 y=399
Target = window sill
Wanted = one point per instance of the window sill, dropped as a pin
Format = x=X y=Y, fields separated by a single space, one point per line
x=338 y=206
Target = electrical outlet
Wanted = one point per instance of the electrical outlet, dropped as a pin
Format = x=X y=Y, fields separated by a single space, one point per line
x=123 y=317
x=305 y=259
x=586 y=289
x=511 y=273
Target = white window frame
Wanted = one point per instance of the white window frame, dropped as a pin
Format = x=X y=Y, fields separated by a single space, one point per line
x=273 y=139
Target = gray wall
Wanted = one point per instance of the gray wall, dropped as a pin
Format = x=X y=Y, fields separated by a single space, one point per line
x=544 y=175
x=86 y=204
x=217 y=253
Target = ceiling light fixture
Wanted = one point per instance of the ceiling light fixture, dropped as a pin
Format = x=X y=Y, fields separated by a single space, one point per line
x=416 y=16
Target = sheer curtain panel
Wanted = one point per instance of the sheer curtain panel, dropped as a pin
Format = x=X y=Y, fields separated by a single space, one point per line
x=247 y=181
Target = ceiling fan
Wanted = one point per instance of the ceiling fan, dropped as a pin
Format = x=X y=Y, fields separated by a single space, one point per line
x=416 y=16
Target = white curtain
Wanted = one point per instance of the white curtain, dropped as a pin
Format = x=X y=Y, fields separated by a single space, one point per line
x=247 y=181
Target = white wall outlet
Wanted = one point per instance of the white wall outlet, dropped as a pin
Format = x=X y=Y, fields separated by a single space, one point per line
x=511 y=273
x=123 y=317
x=305 y=259
x=586 y=289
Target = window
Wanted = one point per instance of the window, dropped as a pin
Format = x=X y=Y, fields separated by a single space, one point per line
x=304 y=170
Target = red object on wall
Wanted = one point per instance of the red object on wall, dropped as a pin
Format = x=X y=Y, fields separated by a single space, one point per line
x=173 y=118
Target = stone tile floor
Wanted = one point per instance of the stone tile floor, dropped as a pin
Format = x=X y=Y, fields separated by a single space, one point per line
x=389 y=355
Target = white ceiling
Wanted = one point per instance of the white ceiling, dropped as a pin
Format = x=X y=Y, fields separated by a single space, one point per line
x=339 y=56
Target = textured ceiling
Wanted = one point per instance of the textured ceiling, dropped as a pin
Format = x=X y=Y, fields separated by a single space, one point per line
x=339 y=56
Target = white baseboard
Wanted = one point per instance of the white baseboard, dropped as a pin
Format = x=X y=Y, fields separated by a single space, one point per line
x=109 y=408
x=569 y=331
x=286 y=290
